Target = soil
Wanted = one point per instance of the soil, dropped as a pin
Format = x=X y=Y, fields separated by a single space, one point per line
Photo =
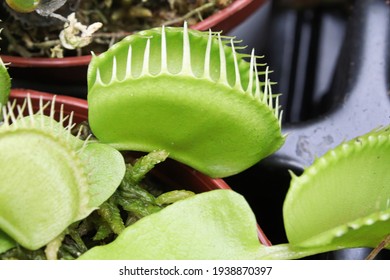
x=34 y=35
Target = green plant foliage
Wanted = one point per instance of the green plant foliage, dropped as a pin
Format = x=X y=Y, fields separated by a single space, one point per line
x=23 y=6
x=50 y=178
x=341 y=201
x=186 y=92
x=343 y=198
x=188 y=95
x=217 y=224
x=105 y=168
x=6 y=242
x=5 y=84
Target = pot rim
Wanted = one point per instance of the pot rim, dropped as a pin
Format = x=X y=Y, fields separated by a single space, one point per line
x=224 y=19
x=80 y=108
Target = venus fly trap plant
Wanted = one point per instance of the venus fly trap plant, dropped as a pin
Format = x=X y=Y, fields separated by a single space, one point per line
x=49 y=178
x=60 y=179
x=150 y=81
x=229 y=229
x=187 y=92
x=367 y=205
x=341 y=201
x=190 y=96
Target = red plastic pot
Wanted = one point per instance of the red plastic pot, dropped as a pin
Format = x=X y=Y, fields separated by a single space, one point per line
x=74 y=69
x=171 y=173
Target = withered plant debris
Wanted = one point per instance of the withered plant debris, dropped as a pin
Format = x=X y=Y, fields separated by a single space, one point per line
x=34 y=35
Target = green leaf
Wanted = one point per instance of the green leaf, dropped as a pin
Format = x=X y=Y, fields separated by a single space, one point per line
x=23 y=6
x=343 y=199
x=110 y=213
x=213 y=225
x=186 y=92
x=50 y=178
x=105 y=168
x=6 y=242
x=143 y=165
x=173 y=196
x=5 y=84
x=40 y=186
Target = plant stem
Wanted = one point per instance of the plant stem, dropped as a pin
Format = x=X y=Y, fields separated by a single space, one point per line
x=190 y=14
x=385 y=242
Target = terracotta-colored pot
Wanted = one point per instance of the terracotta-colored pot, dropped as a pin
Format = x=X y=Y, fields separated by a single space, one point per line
x=74 y=69
x=170 y=172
